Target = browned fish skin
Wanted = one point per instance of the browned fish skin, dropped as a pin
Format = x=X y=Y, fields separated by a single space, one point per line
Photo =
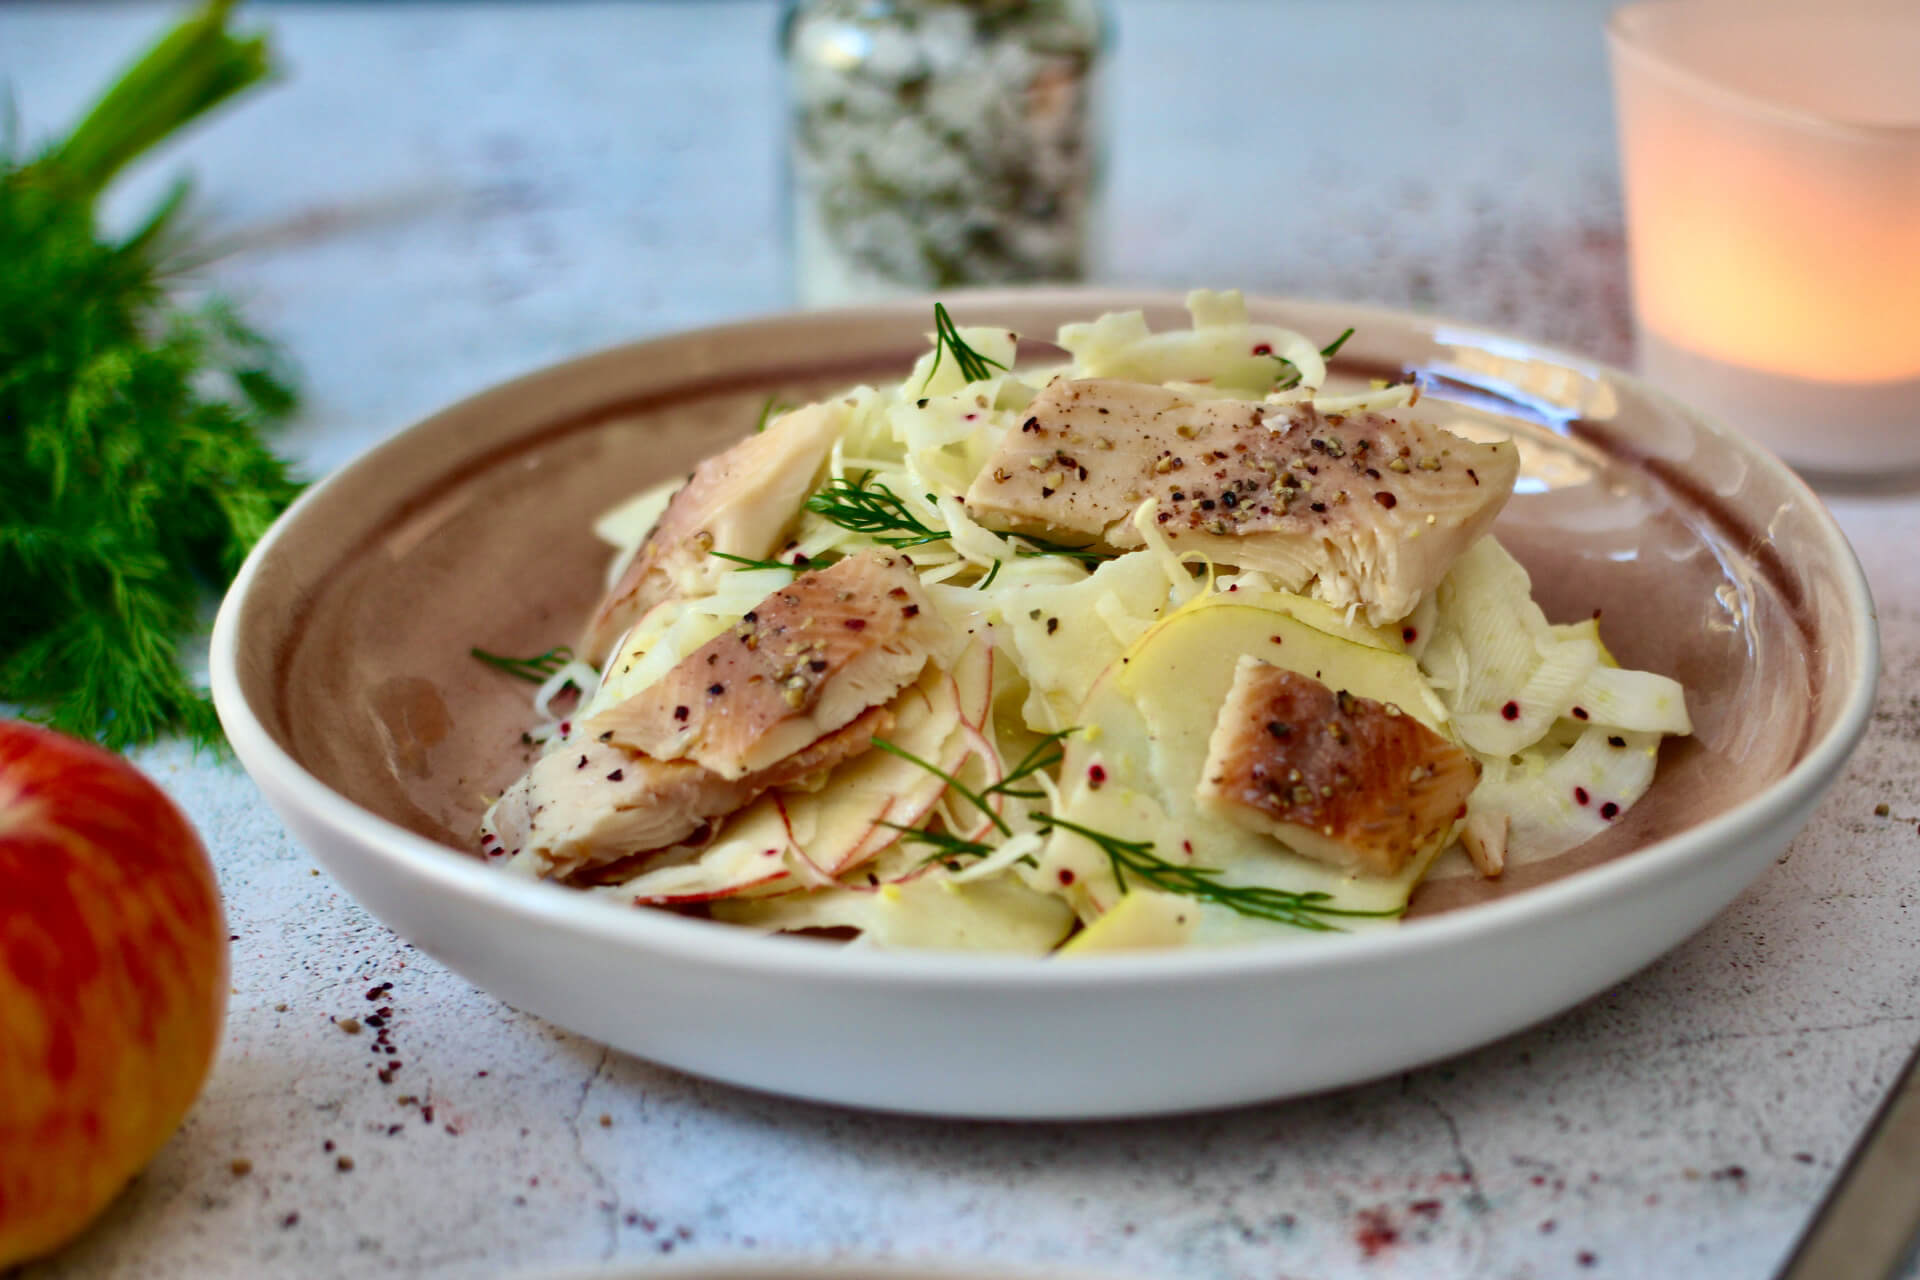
x=1374 y=507
x=583 y=807
x=803 y=662
x=1344 y=780
x=741 y=502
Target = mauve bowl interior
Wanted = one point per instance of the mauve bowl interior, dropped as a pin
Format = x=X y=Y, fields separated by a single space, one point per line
x=1706 y=561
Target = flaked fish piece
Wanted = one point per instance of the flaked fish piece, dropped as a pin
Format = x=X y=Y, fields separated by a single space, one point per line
x=741 y=502
x=804 y=661
x=581 y=808
x=1357 y=507
x=1344 y=780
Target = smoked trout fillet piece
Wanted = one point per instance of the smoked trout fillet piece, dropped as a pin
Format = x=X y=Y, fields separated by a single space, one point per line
x=1357 y=508
x=741 y=502
x=1344 y=780
x=794 y=688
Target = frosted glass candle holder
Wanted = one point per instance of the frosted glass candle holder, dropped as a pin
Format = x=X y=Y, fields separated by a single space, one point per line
x=1771 y=160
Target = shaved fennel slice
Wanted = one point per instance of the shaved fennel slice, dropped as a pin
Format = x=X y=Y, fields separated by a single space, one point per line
x=1638 y=700
x=1542 y=708
x=1063 y=636
x=1024 y=845
x=937 y=373
x=1487 y=631
x=628 y=525
x=1222 y=349
x=669 y=632
x=1524 y=717
x=1386 y=399
x=1555 y=801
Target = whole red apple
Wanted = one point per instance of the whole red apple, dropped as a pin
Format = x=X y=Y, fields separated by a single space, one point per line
x=113 y=981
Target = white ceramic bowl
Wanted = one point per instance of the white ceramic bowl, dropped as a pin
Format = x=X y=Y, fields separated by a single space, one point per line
x=340 y=672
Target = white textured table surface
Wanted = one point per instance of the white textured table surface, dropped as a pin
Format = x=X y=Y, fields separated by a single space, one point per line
x=440 y=195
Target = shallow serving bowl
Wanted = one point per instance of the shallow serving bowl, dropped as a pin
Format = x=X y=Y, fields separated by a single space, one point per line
x=341 y=671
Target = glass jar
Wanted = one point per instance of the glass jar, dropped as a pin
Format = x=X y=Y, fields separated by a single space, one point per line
x=940 y=143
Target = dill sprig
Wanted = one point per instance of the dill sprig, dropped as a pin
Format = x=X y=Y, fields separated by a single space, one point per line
x=945 y=844
x=946 y=337
x=867 y=506
x=1137 y=858
x=747 y=562
x=770 y=409
x=1045 y=754
x=1085 y=553
x=992 y=573
x=133 y=476
x=1288 y=376
x=977 y=799
x=535 y=669
x=800 y=565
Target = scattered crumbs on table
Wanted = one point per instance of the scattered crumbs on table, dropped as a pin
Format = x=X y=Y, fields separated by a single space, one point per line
x=240 y=1167
x=349 y=1025
x=327 y=1145
x=1881 y=810
x=606 y=1121
x=1546 y=1228
x=291 y=1220
x=280 y=1008
x=1374 y=1231
x=344 y=1164
x=1587 y=1257
x=1804 y=1157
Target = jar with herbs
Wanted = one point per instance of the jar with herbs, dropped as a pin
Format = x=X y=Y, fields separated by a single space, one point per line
x=941 y=143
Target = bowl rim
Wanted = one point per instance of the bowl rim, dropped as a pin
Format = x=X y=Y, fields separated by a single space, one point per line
x=728 y=948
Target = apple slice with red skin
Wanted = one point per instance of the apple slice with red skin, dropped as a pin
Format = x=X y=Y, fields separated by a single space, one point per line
x=113 y=981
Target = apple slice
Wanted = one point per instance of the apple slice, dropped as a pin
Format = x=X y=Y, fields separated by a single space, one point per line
x=972 y=678
x=860 y=810
x=929 y=913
